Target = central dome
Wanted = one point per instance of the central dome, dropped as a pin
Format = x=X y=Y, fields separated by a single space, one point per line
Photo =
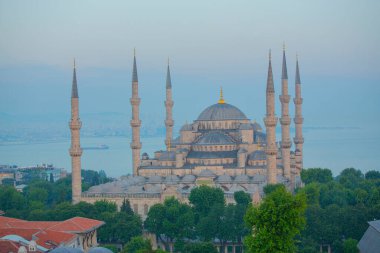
x=222 y=112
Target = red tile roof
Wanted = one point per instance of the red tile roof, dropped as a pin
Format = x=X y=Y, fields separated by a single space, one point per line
x=77 y=224
x=48 y=234
x=24 y=233
x=8 y=246
x=51 y=239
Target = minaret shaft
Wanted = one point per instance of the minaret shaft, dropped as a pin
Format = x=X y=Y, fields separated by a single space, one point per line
x=135 y=122
x=298 y=120
x=75 y=149
x=169 y=123
x=285 y=121
x=270 y=122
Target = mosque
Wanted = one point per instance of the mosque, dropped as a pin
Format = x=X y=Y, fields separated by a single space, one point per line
x=221 y=148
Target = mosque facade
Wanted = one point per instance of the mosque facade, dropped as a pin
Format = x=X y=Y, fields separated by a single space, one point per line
x=221 y=148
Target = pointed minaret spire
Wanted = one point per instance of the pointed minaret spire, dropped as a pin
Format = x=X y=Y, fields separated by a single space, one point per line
x=168 y=78
x=284 y=69
x=298 y=120
x=285 y=120
x=75 y=149
x=135 y=122
x=74 y=89
x=298 y=79
x=134 y=72
x=270 y=123
x=169 y=123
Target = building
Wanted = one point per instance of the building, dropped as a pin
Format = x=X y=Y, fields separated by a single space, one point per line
x=370 y=242
x=43 y=236
x=221 y=148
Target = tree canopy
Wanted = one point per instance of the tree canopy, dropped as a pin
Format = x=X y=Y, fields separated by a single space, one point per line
x=276 y=222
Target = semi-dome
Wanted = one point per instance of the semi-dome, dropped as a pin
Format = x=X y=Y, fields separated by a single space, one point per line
x=189 y=178
x=224 y=179
x=222 y=112
x=215 y=137
x=257 y=155
x=99 y=250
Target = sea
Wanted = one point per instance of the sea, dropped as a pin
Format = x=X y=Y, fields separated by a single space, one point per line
x=335 y=148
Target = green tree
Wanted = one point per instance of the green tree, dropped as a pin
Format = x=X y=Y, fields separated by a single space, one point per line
x=126 y=207
x=276 y=222
x=317 y=175
x=173 y=219
x=372 y=174
x=137 y=244
x=242 y=198
x=350 y=246
x=350 y=178
x=203 y=247
x=204 y=197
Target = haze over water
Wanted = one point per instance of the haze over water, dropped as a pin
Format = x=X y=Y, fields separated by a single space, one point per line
x=210 y=44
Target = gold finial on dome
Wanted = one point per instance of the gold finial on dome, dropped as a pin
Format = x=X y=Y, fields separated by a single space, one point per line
x=221 y=99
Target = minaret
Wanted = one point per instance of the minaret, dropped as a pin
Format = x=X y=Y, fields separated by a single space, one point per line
x=298 y=120
x=75 y=149
x=270 y=123
x=169 y=110
x=135 y=122
x=285 y=120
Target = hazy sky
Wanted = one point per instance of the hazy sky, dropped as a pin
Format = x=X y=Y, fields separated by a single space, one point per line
x=210 y=44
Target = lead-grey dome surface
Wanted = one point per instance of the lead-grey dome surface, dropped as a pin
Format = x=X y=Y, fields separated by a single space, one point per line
x=222 y=112
x=99 y=250
x=66 y=250
x=215 y=137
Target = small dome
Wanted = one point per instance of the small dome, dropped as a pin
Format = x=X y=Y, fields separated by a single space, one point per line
x=172 y=179
x=221 y=112
x=138 y=179
x=99 y=250
x=155 y=179
x=215 y=137
x=167 y=156
x=145 y=156
x=256 y=126
x=258 y=155
x=259 y=178
x=188 y=178
x=224 y=179
x=153 y=188
x=182 y=150
x=241 y=179
x=66 y=250
x=135 y=189
x=207 y=173
x=245 y=126
x=187 y=127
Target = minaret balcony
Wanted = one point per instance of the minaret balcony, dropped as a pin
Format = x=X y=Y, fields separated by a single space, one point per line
x=298 y=120
x=271 y=150
x=136 y=145
x=298 y=101
x=285 y=120
x=284 y=98
x=270 y=121
x=135 y=123
x=75 y=151
x=169 y=123
x=169 y=103
x=75 y=125
x=298 y=140
x=286 y=144
x=135 y=101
